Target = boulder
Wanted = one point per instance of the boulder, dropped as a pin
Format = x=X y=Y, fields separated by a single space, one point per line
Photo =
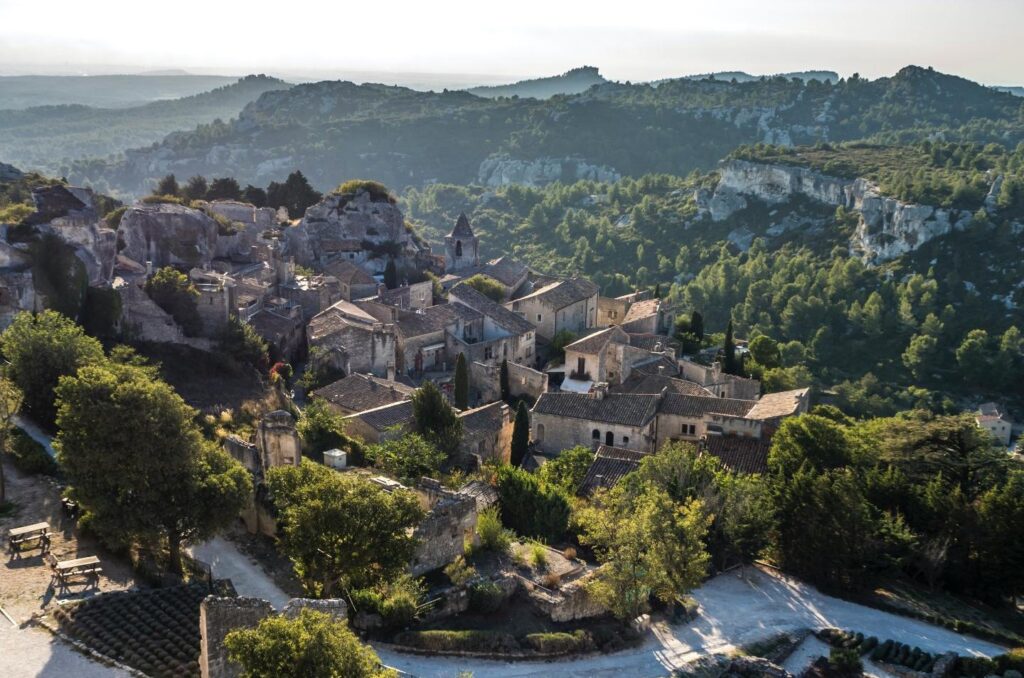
x=168 y=235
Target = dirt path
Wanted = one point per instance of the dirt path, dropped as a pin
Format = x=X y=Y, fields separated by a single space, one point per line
x=246 y=574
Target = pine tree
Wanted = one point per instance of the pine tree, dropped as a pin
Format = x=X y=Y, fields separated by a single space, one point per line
x=167 y=186
x=506 y=390
x=520 y=435
x=461 y=383
x=391 y=275
x=729 y=365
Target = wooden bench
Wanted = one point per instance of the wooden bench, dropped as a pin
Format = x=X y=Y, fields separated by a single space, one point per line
x=36 y=532
x=88 y=567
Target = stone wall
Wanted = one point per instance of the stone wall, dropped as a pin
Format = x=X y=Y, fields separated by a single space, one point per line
x=442 y=533
x=562 y=433
x=278 y=441
x=522 y=381
x=570 y=602
x=219 y=616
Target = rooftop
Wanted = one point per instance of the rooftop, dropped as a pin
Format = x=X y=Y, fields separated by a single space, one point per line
x=626 y=409
x=609 y=466
x=349 y=273
x=465 y=295
x=696 y=406
x=781 y=404
x=642 y=309
x=593 y=344
x=485 y=420
x=653 y=342
x=387 y=416
x=462 y=228
x=739 y=454
x=562 y=293
x=359 y=392
x=654 y=383
x=505 y=270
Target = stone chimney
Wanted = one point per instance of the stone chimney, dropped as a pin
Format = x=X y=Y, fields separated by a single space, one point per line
x=599 y=390
x=391 y=372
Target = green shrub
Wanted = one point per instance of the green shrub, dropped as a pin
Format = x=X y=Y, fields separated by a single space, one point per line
x=486 y=597
x=538 y=555
x=870 y=644
x=458 y=641
x=30 y=456
x=113 y=219
x=396 y=601
x=378 y=191
x=560 y=643
x=845 y=662
x=882 y=651
x=531 y=507
x=158 y=199
x=493 y=535
x=459 y=571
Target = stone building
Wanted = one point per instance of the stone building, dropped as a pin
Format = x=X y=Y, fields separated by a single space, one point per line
x=692 y=417
x=569 y=304
x=461 y=247
x=349 y=339
x=486 y=433
x=496 y=334
x=280 y=323
x=610 y=356
x=649 y=316
x=991 y=418
x=313 y=293
x=360 y=392
x=216 y=301
x=718 y=382
x=610 y=465
x=355 y=282
x=386 y=422
x=485 y=381
x=560 y=421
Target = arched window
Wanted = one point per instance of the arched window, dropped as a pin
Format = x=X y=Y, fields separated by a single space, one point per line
x=609 y=438
x=458 y=248
x=625 y=440
x=596 y=435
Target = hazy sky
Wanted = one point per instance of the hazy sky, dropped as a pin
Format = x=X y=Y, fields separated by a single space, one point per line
x=628 y=40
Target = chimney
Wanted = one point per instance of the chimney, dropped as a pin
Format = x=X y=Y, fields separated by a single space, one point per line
x=661 y=370
x=599 y=390
x=391 y=372
x=657 y=347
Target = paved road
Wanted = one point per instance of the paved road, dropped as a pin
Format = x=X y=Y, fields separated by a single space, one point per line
x=34 y=653
x=247 y=576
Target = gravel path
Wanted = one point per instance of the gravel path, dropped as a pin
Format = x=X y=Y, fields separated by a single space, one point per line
x=33 y=652
x=736 y=609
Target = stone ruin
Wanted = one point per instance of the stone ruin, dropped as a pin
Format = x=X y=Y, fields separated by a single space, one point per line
x=219 y=615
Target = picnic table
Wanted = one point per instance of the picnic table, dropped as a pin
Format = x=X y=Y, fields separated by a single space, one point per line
x=37 y=531
x=89 y=566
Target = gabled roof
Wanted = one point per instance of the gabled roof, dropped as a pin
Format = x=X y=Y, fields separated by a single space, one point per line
x=661 y=365
x=697 y=406
x=465 y=295
x=626 y=409
x=347 y=272
x=274 y=327
x=359 y=392
x=651 y=342
x=337 y=317
x=654 y=383
x=562 y=293
x=592 y=344
x=739 y=454
x=505 y=270
x=462 y=228
x=484 y=420
x=609 y=466
x=642 y=309
x=387 y=416
x=781 y=404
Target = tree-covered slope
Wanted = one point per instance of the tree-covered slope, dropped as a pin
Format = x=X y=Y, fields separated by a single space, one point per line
x=46 y=138
x=409 y=138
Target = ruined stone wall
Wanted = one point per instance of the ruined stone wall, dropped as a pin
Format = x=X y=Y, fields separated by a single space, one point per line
x=522 y=381
x=442 y=533
x=219 y=616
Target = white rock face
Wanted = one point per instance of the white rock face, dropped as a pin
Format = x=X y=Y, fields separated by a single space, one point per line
x=888 y=228
x=340 y=221
x=168 y=235
x=501 y=170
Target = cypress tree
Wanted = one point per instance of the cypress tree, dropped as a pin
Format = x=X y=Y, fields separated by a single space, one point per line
x=520 y=435
x=729 y=365
x=391 y=275
x=461 y=383
x=657 y=291
x=697 y=325
x=506 y=390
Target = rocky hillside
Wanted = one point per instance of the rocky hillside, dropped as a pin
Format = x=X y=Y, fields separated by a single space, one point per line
x=408 y=138
x=46 y=138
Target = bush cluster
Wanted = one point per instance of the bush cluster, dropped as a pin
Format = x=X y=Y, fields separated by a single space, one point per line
x=30 y=456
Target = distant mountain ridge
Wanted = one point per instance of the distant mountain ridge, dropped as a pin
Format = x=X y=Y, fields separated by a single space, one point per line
x=741 y=76
x=108 y=91
x=572 y=81
x=44 y=137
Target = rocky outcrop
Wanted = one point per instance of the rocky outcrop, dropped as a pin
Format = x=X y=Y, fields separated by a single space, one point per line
x=70 y=214
x=502 y=170
x=168 y=235
x=9 y=172
x=366 y=227
x=888 y=228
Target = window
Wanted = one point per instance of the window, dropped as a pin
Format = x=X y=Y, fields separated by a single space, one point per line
x=458 y=248
x=625 y=440
x=539 y=317
x=595 y=434
x=488 y=353
x=581 y=366
x=688 y=429
x=609 y=438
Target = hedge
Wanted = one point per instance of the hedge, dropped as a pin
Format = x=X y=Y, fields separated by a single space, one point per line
x=459 y=641
x=560 y=643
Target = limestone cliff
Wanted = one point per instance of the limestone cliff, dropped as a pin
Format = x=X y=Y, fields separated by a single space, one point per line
x=887 y=228
x=502 y=170
x=363 y=228
x=167 y=235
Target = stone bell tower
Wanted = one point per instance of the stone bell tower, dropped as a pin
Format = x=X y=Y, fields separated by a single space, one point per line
x=461 y=247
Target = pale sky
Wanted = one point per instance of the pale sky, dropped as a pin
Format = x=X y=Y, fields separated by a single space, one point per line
x=500 y=41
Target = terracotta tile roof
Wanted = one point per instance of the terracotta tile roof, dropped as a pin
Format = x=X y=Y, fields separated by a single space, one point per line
x=562 y=293
x=696 y=406
x=739 y=454
x=485 y=420
x=359 y=392
x=609 y=466
x=642 y=309
x=653 y=383
x=626 y=409
x=465 y=295
x=387 y=416
x=592 y=344
x=781 y=404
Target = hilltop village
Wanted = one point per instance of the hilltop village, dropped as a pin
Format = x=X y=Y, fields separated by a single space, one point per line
x=439 y=439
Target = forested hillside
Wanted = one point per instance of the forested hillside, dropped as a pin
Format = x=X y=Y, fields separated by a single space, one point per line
x=408 y=138
x=47 y=138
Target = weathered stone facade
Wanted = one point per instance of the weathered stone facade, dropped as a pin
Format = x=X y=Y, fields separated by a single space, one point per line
x=218 y=616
